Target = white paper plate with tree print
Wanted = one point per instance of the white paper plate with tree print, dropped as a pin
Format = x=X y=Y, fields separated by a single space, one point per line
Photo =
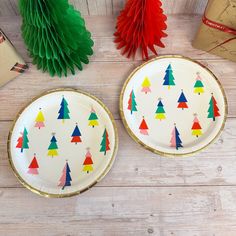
x=173 y=106
x=62 y=143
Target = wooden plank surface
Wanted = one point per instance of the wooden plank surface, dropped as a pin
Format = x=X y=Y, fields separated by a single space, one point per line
x=110 y=7
x=143 y=194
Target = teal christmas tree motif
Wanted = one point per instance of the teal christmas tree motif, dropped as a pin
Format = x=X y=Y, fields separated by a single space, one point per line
x=213 y=110
x=105 y=144
x=65 y=179
x=175 y=138
x=52 y=149
x=132 y=103
x=23 y=141
x=93 y=118
x=169 y=78
x=64 y=111
x=198 y=86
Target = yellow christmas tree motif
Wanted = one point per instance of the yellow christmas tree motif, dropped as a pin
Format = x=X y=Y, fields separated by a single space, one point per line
x=196 y=127
x=88 y=168
x=146 y=85
x=39 y=121
x=93 y=118
x=160 y=111
x=52 y=149
x=52 y=153
x=198 y=86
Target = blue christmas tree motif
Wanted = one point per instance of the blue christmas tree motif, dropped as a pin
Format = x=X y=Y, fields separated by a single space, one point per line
x=182 y=101
x=64 y=111
x=76 y=132
x=169 y=78
x=68 y=177
x=182 y=98
x=178 y=140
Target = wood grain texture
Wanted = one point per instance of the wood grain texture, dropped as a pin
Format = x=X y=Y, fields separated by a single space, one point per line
x=143 y=194
x=110 y=7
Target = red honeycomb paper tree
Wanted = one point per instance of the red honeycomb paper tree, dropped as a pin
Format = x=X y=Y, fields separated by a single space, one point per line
x=140 y=25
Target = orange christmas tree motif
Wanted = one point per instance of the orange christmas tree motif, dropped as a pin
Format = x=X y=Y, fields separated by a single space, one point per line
x=196 y=127
x=88 y=162
x=39 y=121
x=146 y=86
x=182 y=101
x=213 y=110
x=33 y=167
x=143 y=127
x=76 y=135
x=198 y=87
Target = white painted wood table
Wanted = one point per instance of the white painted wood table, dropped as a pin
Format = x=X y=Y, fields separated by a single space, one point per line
x=143 y=194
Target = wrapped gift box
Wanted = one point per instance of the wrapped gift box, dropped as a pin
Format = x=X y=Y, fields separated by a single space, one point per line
x=11 y=64
x=217 y=32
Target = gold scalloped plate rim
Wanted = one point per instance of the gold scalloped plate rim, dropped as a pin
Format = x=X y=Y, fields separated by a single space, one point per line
x=156 y=151
x=102 y=175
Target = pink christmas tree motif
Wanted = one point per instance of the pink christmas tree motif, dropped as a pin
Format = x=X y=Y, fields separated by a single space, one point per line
x=39 y=121
x=175 y=139
x=65 y=179
x=33 y=167
x=143 y=127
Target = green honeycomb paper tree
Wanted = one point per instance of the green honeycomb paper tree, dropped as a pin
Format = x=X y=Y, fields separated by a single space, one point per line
x=55 y=35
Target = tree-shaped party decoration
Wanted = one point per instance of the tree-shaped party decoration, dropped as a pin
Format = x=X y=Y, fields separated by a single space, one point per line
x=105 y=144
x=65 y=179
x=76 y=135
x=213 y=110
x=55 y=35
x=33 y=167
x=52 y=149
x=182 y=101
x=196 y=127
x=146 y=86
x=140 y=25
x=169 y=78
x=143 y=127
x=160 y=111
x=22 y=141
x=132 y=103
x=93 y=118
x=88 y=162
x=39 y=121
x=198 y=86
x=175 y=138
x=64 y=111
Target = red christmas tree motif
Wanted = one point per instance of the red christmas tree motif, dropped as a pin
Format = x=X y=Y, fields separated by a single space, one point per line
x=76 y=135
x=20 y=141
x=182 y=101
x=143 y=127
x=132 y=102
x=196 y=127
x=213 y=110
x=88 y=162
x=105 y=144
x=33 y=167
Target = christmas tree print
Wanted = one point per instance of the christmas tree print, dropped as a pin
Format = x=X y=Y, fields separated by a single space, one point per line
x=175 y=139
x=33 y=167
x=76 y=135
x=65 y=179
x=39 y=121
x=143 y=127
x=198 y=87
x=93 y=118
x=64 y=111
x=160 y=112
x=182 y=101
x=132 y=103
x=146 y=86
x=105 y=143
x=22 y=141
x=88 y=162
x=169 y=78
x=213 y=110
x=196 y=127
x=52 y=149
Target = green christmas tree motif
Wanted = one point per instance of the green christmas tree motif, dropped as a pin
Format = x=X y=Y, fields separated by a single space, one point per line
x=198 y=87
x=105 y=144
x=55 y=35
x=23 y=140
x=52 y=149
x=132 y=103
x=160 y=112
x=213 y=110
x=169 y=78
x=64 y=111
x=93 y=118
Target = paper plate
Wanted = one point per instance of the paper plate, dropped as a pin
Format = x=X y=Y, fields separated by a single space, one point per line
x=173 y=106
x=62 y=143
